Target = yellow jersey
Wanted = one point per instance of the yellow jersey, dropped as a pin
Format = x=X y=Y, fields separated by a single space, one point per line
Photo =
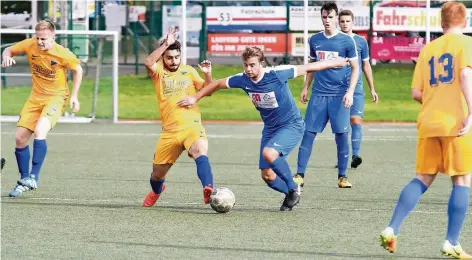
x=49 y=68
x=170 y=88
x=437 y=74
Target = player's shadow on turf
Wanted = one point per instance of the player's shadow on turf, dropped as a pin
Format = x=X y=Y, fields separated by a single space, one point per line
x=188 y=209
x=268 y=251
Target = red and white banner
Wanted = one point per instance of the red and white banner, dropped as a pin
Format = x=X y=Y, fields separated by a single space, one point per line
x=410 y=19
x=235 y=43
x=396 y=48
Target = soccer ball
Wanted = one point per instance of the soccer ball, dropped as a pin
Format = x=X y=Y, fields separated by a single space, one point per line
x=222 y=200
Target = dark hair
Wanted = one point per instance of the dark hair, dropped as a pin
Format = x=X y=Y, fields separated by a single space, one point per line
x=253 y=51
x=346 y=12
x=329 y=7
x=174 y=46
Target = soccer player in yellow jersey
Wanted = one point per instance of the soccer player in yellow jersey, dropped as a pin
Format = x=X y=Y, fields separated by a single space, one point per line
x=49 y=63
x=442 y=84
x=182 y=128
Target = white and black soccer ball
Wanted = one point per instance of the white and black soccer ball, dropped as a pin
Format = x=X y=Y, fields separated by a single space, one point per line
x=222 y=200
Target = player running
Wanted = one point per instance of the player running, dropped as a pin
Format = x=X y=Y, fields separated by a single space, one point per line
x=283 y=125
x=442 y=84
x=346 y=22
x=182 y=128
x=332 y=94
x=49 y=63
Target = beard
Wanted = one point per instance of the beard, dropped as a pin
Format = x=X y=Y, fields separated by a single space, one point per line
x=172 y=68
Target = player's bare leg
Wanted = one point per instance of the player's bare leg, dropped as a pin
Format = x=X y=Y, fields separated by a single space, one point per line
x=23 y=157
x=457 y=212
x=281 y=168
x=158 y=176
x=198 y=151
x=356 y=137
x=407 y=201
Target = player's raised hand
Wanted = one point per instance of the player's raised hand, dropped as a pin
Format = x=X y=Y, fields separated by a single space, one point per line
x=74 y=104
x=7 y=61
x=375 y=97
x=304 y=96
x=467 y=124
x=205 y=66
x=348 y=100
x=188 y=102
x=171 y=36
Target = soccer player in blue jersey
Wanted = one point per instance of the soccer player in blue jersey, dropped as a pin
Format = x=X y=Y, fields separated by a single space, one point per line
x=332 y=93
x=283 y=123
x=346 y=22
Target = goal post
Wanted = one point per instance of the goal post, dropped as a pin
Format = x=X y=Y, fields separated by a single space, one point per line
x=115 y=60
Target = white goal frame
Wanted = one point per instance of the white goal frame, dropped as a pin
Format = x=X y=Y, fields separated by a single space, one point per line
x=115 y=61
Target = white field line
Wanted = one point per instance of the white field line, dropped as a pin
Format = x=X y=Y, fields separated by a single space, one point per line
x=214 y=136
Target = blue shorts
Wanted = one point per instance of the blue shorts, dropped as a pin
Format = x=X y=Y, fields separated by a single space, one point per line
x=283 y=140
x=323 y=108
x=357 y=108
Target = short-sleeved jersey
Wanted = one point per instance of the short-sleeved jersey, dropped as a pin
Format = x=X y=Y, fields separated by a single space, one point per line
x=170 y=88
x=270 y=95
x=49 y=68
x=331 y=82
x=437 y=74
x=363 y=55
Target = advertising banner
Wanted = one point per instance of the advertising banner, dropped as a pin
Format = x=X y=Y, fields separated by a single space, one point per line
x=240 y=18
x=235 y=43
x=396 y=48
x=410 y=19
x=361 y=18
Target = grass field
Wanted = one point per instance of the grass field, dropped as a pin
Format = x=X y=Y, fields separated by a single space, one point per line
x=137 y=99
x=93 y=181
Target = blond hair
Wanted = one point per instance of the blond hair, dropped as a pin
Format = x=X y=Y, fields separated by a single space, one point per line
x=453 y=14
x=253 y=51
x=45 y=25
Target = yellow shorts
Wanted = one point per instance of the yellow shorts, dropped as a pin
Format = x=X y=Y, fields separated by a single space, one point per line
x=448 y=154
x=36 y=107
x=171 y=144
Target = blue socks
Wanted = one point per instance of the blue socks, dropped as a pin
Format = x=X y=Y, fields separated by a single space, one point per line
x=409 y=197
x=342 y=143
x=204 y=171
x=156 y=185
x=356 y=139
x=23 y=160
x=282 y=169
x=457 y=212
x=40 y=149
x=278 y=184
x=304 y=152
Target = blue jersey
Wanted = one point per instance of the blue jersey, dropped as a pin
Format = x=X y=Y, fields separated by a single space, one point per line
x=363 y=54
x=331 y=82
x=270 y=95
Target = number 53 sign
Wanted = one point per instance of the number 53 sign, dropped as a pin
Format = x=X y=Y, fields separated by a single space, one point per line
x=225 y=18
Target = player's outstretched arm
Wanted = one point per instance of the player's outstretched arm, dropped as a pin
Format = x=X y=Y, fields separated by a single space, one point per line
x=370 y=80
x=151 y=60
x=301 y=70
x=211 y=88
x=7 y=59
x=466 y=85
x=74 y=98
